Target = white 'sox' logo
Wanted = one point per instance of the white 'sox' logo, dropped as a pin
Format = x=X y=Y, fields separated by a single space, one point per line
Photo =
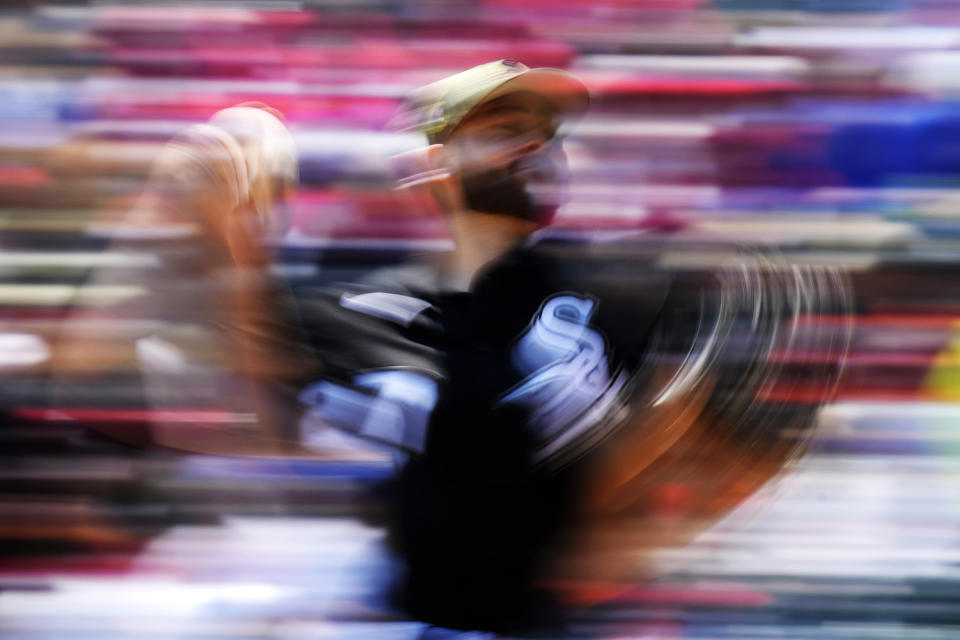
x=565 y=361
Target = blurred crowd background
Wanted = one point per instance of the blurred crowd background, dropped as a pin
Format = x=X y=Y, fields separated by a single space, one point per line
x=828 y=129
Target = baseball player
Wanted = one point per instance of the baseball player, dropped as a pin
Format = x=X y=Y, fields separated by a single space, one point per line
x=540 y=395
x=492 y=371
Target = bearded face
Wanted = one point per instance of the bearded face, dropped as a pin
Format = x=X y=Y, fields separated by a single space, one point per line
x=531 y=188
x=508 y=161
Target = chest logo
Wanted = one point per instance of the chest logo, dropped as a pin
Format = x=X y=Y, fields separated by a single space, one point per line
x=565 y=363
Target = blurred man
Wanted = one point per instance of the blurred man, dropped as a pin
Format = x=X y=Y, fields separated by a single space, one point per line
x=543 y=395
x=495 y=370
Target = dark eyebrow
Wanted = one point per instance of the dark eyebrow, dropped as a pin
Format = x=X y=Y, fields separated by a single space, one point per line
x=494 y=107
x=510 y=104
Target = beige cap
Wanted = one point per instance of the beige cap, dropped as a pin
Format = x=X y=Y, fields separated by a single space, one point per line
x=438 y=108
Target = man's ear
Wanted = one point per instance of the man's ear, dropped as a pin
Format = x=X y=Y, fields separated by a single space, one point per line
x=420 y=167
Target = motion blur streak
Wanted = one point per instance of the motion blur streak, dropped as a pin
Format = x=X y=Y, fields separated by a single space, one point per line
x=793 y=164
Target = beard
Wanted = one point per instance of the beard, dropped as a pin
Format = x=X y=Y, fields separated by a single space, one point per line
x=503 y=193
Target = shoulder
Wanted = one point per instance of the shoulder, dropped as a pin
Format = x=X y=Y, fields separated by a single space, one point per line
x=358 y=327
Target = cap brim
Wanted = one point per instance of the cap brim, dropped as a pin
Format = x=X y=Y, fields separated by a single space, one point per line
x=565 y=93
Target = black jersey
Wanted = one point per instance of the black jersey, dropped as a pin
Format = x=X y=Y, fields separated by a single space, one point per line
x=493 y=394
x=496 y=394
x=553 y=331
